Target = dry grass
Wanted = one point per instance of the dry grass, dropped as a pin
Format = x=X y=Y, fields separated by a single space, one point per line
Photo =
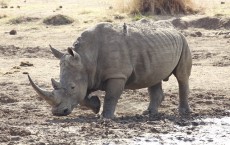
x=157 y=6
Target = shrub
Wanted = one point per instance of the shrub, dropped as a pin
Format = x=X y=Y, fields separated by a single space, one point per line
x=157 y=6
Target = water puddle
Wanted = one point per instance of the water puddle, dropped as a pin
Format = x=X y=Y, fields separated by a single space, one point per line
x=208 y=131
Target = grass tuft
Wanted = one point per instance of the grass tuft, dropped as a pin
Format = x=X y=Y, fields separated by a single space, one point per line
x=58 y=20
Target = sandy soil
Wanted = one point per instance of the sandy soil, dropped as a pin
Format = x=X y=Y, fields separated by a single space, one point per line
x=26 y=119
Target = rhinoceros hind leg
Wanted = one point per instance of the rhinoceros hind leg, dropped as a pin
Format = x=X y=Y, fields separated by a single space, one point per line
x=183 y=95
x=113 y=91
x=182 y=73
x=156 y=97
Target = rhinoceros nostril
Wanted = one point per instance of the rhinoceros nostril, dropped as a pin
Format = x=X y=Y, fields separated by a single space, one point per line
x=65 y=111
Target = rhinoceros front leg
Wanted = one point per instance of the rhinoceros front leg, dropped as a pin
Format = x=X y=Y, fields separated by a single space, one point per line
x=113 y=91
x=156 y=97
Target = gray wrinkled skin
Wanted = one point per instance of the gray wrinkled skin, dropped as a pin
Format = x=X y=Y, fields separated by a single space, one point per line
x=108 y=58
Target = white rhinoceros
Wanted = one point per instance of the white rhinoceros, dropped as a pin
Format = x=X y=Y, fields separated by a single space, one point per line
x=113 y=58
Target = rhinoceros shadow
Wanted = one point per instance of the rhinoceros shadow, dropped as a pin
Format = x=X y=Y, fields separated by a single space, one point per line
x=175 y=119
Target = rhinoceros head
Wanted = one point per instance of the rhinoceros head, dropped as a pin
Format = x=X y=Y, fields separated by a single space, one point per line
x=72 y=88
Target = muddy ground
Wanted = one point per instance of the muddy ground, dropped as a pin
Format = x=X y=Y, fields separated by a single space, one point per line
x=27 y=119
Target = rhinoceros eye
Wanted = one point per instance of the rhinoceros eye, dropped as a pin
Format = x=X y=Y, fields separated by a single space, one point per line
x=76 y=44
x=72 y=87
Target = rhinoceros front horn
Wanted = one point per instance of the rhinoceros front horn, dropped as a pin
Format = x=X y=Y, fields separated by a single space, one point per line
x=48 y=96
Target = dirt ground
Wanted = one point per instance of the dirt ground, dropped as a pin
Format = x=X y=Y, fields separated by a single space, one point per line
x=27 y=119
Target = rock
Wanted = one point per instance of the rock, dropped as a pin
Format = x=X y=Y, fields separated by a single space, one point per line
x=195 y=123
x=16 y=67
x=193 y=35
x=227 y=36
x=179 y=23
x=198 y=34
x=13 y=32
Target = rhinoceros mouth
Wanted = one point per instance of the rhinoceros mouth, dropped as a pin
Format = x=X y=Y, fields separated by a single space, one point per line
x=47 y=95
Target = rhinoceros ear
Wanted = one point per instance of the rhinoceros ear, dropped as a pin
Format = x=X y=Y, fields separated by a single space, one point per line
x=56 y=53
x=74 y=54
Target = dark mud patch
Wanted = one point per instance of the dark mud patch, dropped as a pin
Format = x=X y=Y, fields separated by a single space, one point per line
x=218 y=59
x=6 y=99
x=28 y=52
x=205 y=22
x=202 y=54
x=223 y=62
x=23 y=19
x=15 y=131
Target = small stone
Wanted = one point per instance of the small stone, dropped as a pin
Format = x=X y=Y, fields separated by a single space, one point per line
x=198 y=34
x=60 y=7
x=189 y=132
x=193 y=35
x=13 y=32
x=195 y=123
x=154 y=130
x=210 y=140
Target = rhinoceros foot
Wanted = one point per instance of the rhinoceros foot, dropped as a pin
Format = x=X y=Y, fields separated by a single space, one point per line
x=184 y=111
x=93 y=103
x=150 y=112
